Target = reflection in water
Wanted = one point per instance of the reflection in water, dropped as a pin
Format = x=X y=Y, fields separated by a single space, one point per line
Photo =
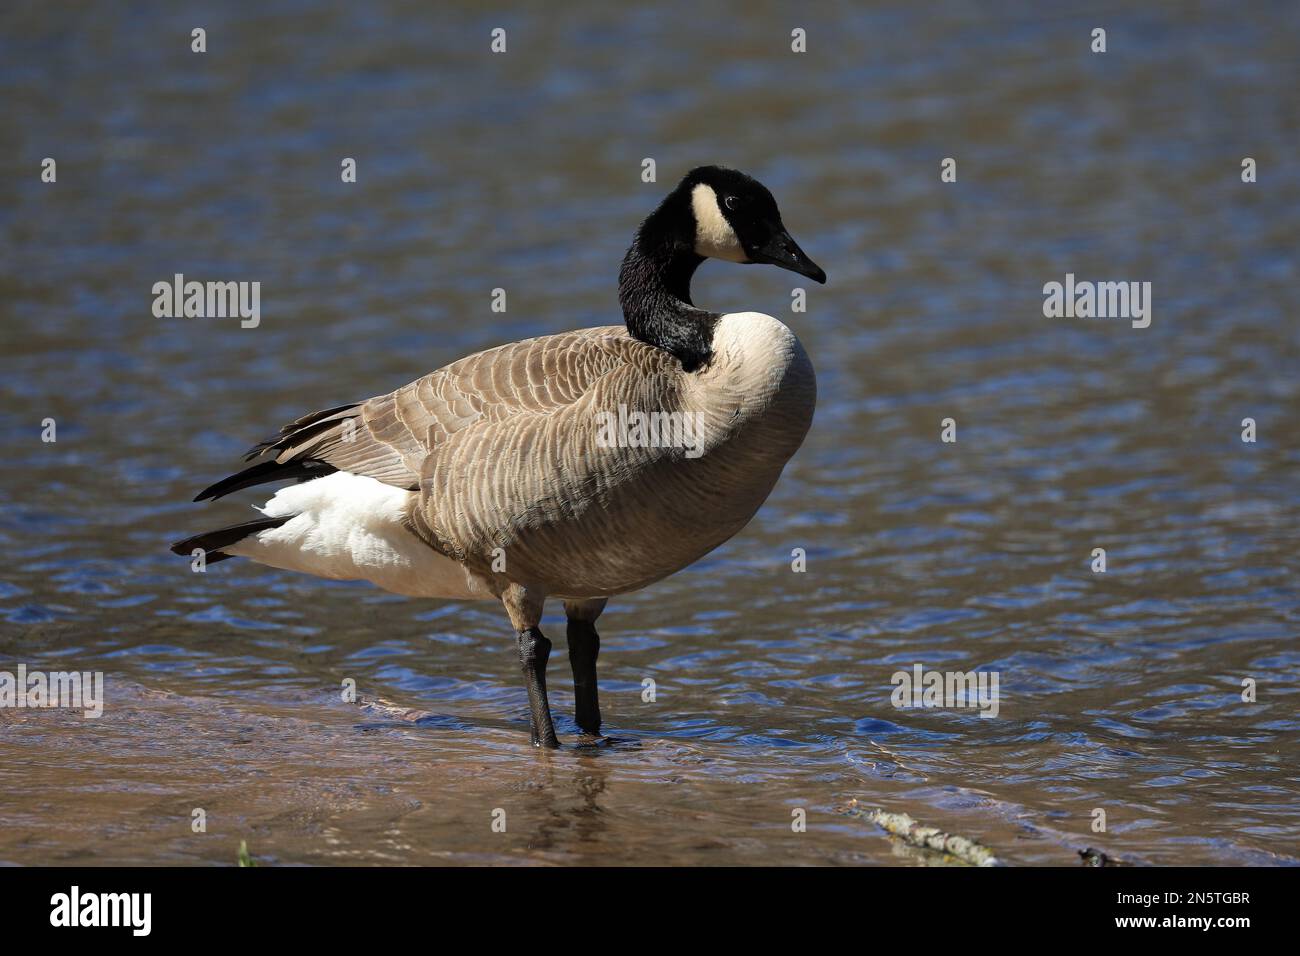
x=1120 y=691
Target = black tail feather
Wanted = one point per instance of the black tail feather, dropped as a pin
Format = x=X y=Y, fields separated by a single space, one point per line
x=304 y=434
x=211 y=542
x=298 y=430
x=301 y=470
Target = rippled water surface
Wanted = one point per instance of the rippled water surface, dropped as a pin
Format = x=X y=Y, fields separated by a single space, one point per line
x=1119 y=691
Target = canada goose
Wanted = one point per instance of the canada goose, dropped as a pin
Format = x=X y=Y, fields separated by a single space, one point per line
x=535 y=469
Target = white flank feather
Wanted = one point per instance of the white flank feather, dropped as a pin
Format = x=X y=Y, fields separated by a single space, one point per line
x=349 y=527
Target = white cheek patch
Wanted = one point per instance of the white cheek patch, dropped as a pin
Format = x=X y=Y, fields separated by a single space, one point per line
x=714 y=237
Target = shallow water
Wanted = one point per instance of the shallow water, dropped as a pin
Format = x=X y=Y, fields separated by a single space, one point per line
x=1119 y=691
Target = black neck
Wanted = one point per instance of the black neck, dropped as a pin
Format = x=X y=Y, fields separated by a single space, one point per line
x=654 y=288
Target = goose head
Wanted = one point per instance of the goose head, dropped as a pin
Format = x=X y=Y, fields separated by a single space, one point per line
x=736 y=219
x=713 y=213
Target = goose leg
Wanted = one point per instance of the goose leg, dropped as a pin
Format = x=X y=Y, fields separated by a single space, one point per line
x=525 y=610
x=534 y=652
x=584 y=646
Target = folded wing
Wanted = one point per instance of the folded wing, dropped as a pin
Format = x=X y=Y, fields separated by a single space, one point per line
x=388 y=438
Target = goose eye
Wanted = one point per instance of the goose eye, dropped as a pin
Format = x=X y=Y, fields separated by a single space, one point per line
x=731 y=202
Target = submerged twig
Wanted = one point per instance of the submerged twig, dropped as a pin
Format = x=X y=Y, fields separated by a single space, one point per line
x=931 y=838
x=1092 y=857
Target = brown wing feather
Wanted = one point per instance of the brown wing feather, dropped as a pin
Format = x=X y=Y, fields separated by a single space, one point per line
x=389 y=437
